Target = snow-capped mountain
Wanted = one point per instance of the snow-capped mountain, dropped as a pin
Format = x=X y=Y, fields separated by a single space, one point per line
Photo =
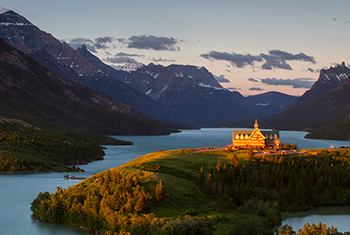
x=271 y=103
x=76 y=65
x=326 y=103
x=334 y=75
x=327 y=80
x=25 y=36
x=177 y=93
x=198 y=74
x=131 y=66
x=158 y=82
x=34 y=93
x=191 y=92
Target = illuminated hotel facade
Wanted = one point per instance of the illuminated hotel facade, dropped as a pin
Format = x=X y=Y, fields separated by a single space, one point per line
x=255 y=138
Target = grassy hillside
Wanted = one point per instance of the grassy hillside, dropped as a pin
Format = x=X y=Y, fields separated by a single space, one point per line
x=214 y=192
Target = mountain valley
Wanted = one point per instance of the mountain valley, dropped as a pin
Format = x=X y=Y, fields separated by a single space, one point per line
x=181 y=94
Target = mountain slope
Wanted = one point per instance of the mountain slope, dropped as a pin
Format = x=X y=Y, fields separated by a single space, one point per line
x=191 y=98
x=199 y=75
x=76 y=65
x=122 y=92
x=320 y=112
x=36 y=94
x=177 y=93
x=271 y=103
x=328 y=79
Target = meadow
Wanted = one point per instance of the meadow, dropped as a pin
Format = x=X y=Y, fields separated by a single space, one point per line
x=211 y=192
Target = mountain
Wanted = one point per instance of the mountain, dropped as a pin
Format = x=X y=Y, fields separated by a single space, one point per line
x=76 y=65
x=191 y=94
x=198 y=74
x=35 y=94
x=327 y=80
x=26 y=37
x=177 y=93
x=131 y=66
x=328 y=109
x=270 y=103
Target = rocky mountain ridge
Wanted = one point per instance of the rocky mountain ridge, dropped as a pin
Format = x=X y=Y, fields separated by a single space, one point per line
x=327 y=80
x=328 y=110
x=33 y=93
x=271 y=102
x=76 y=65
x=131 y=66
x=176 y=93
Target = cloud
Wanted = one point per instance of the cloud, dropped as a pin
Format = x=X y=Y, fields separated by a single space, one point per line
x=102 y=42
x=130 y=55
x=276 y=59
x=221 y=78
x=119 y=60
x=161 y=60
x=311 y=70
x=93 y=45
x=233 y=88
x=151 y=42
x=274 y=62
x=295 y=83
x=288 y=56
x=122 y=58
x=238 y=60
x=252 y=80
x=256 y=89
x=79 y=42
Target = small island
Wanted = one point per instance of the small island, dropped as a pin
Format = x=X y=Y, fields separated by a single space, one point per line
x=201 y=191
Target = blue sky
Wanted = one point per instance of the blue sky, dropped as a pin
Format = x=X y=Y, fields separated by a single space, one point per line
x=252 y=46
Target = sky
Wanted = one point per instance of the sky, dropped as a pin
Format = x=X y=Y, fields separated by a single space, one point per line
x=250 y=46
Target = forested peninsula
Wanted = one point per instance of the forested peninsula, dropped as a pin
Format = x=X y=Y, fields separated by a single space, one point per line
x=202 y=192
x=25 y=148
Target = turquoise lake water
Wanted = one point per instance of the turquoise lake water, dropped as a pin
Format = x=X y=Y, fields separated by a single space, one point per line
x=17 y=191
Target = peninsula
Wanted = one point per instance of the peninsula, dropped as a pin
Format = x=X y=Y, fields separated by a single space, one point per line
x=205 y=192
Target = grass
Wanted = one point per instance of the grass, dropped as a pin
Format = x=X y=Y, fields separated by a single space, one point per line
x=179 y=172
x=183 y=194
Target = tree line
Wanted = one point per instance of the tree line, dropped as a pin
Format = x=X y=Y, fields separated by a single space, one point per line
x=115 y=203
x=34 y=149
x=296 y=182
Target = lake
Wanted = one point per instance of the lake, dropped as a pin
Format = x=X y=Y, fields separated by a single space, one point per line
x=17 y=191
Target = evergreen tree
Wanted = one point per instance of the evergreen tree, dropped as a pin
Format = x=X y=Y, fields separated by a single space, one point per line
x=201 y=179
x=160 y=191
x=141 y=204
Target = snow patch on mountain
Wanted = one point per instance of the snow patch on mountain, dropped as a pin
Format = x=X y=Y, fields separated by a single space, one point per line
x=261 y=104
x=15 y=24
x=148 y=92
x=212 y=87
x=131 y=66
x=179 y=75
